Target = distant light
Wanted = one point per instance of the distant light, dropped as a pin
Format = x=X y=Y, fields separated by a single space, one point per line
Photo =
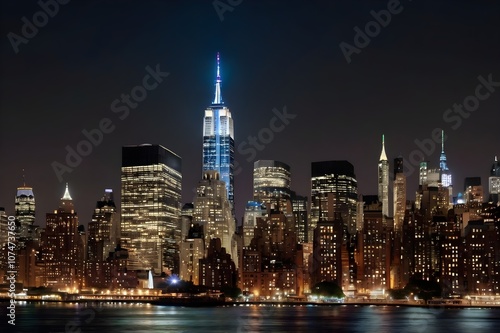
x=174 y=281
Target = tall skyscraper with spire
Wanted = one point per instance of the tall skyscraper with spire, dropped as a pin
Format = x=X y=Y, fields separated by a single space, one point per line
x=383 y=180
x=443 y=166
x=62 y=247
x=218 y=139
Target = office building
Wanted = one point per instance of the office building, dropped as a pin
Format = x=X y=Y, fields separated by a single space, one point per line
x=218 y=139
x=151 y=207
x=271 y=184
x=383 y=180
x=333 y=189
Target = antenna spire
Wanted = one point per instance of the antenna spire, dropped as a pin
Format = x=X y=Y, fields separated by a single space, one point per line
x=383 y=156
x=218 y=96
x=442 y=141
x=24 y=179
x=66 y=195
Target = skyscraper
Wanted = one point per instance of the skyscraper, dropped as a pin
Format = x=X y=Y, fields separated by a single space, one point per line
x=62 y=247
x=271 y=184
x=218 y=139
x=25 y=213
x=443 y=166
x=399 y=193
x=102 y=239
x=213 y=211
x=151 y=207
x=334 y=188
x=494 y=182
x=103 y=229
x=383 y=180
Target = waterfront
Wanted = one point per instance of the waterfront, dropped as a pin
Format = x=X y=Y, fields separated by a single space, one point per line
x=141 y=317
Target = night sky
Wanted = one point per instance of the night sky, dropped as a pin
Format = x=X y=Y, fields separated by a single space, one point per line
x=275 y=55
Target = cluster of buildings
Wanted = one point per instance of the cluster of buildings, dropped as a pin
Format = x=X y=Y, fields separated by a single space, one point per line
x=285 y=243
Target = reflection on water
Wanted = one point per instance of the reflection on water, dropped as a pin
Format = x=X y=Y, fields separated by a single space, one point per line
x=111 y=317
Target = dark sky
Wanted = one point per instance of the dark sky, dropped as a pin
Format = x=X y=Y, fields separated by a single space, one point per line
x=274 y=54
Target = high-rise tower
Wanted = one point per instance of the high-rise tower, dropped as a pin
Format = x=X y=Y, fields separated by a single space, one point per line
x=443 y=166
x=399 y=193
x=334 y=189
x=218 y=139
x=494 y=182
x=151 y=207
x=63 y=247
x=25 y=213
x=383 y=180
x=271 y=184
x=213 y=211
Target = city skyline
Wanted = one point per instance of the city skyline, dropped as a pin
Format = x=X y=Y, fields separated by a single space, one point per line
x=340 y=113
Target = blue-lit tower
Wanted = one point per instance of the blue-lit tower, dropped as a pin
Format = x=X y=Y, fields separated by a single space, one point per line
x=443 y=166
x=218 y=139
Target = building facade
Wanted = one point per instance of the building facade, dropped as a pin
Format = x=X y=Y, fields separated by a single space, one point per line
x=151 y=207
x=334 y=188
x=271 y=184
x=218 y=139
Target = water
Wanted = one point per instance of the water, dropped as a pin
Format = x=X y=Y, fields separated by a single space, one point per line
x=111 y=317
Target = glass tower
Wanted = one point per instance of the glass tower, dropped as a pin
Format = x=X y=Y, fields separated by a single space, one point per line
x=25 y=213
x=151 y=207
x=494 y=182
x=218 y=139
x=334 y=189
x=271 y=184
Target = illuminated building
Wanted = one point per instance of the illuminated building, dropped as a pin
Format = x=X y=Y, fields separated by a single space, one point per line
x=479 y=257
x=374 y=265
x=327 y=252
x=383 y=180
x=62 y=248
x=444 y=173
x=212 y=210
x=272 y=264
x=25 y=214
x=417 y=245
x=450 y=255
x=473 y=190
x=399 y=193
x=299 y=209
x=271 y=184
x=217 y=270
x=434 y=200
x=218 y=139
x=192 y=249
x=253 y=210
x=186 y=219
x=150 y=207
x=103 y=234
x=443 y=166
x=494 y=182
x=333 y=189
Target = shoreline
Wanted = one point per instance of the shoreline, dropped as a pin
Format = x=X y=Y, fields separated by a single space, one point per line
x=260 y=303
